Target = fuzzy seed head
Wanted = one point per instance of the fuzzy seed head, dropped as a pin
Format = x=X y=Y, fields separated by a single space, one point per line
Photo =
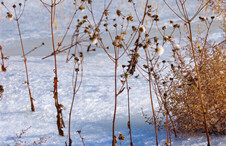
x=93 y=40
x=159 y=50
x=9 y=16
x=177 y=47
x=142 y=29
x=81 y=8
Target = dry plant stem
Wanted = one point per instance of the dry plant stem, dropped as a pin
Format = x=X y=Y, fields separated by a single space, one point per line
x=3 y=68
x=129 y=121
x=165 y=106
x=188 y=21
x=167 y=127
x=59 y=120
x=72 y=103
x=80 y=135
x=150 y=89
x=199 y=84
x=115 y=108
x=25 y=63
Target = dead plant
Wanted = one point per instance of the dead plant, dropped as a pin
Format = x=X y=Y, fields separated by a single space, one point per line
x=17 y=15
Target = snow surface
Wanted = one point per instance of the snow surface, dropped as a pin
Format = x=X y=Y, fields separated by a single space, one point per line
x=93 y=109
x=94 y=103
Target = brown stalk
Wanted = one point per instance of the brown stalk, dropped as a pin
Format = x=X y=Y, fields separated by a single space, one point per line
x=60 y=121
x=150 y=90
x=199 y=84
x=72 y=102
x=188 y=21
x=116 y=94
x=25 y=61
x=3 y=68
x=129 y=121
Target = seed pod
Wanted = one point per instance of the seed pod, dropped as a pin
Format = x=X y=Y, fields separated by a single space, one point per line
x=118 y=12
x=106 y=12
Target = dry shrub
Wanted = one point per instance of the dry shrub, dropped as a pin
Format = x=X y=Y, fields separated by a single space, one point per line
x=183 y=94
x=217 y=6
x=214 y=87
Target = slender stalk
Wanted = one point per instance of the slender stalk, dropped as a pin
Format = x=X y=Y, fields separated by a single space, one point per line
x=129 y=121
x=72 y=103
x=59 y=110
x=150 y=89
x=199 y=84
x=167 y=127
x=25 y=63
x=73 y=99
x=115 y=108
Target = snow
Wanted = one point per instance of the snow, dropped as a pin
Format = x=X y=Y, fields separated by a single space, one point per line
x=94 y=103
x=93 y=109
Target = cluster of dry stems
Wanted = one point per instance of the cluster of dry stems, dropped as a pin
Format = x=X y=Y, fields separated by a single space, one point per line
x=189 y=90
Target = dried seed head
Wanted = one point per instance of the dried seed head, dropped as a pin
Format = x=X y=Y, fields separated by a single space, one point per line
x=77 y=69
x=177 y=47
x=114 y=43
x=105 y=24
x=148 y=41
x=126 y=75
x=145 y=66
x=93 y=40
x=134 y=28
x=118 y=12
x=9 y=16
x=142 y=29
x=145 y=46
x=115 y=25
x=80 y=54
x=85 y=17
x=14 y=6
x=164 y=27
x=129 y=18
x=165 y=38
x=81 y=8
x=171 y=21
x=124 y=33
x=156 y=39
x=137 y=55
x=176 y=26
x=149 y=6
x=201 y=18
x=159 y=50
x=156 y=17
x=97 y=29
x=118 y=37
x=106 y=12
x=89 y=1
x=212 y=17
x=121 y=137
